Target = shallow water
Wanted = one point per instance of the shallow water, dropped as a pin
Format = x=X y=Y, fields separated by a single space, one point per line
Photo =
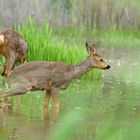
x=90 y=110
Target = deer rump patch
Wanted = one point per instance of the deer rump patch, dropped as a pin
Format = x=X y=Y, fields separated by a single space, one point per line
x=1 y=39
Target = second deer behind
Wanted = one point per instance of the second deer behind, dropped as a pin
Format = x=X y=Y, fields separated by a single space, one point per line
x=14 y=48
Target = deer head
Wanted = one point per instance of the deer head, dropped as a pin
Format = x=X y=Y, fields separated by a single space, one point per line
x=96 y=60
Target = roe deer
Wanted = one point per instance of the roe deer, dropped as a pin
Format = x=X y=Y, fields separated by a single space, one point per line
x=14 y=48
x=50 y=76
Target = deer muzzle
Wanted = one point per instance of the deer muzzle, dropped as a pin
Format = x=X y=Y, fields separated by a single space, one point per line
x=107 y=67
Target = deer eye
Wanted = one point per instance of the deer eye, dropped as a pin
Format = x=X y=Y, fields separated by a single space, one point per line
x=101 y=60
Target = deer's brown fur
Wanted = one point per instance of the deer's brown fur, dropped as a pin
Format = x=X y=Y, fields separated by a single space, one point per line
x=14 y=48
x=50 y=76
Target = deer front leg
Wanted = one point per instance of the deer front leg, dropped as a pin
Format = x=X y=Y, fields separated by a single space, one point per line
x=22 y=61
x=54 y=93
x=13 y=67
x=10 y=62
x=4 y=68
x=47 y=98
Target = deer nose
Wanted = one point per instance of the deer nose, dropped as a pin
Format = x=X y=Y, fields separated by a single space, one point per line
x=108 y=67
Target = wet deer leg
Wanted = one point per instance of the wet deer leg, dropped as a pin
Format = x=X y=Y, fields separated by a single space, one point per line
x=13 y=92
x=47 y=98
x=55 y=97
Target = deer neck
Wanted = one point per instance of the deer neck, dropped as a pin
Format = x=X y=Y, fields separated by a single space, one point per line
x=82 y=68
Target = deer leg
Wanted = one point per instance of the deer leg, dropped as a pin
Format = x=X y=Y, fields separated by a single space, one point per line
x=13 y=67
x=22 y=61
x=9 y=64
x=47 y=98
x=13 y=92
x=4 y=67
x=55 y=97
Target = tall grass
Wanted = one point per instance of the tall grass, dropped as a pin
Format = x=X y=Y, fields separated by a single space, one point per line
x=43 y=45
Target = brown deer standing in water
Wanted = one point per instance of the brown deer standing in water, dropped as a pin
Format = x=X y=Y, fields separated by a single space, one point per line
x=14 y=48
x=50 y=76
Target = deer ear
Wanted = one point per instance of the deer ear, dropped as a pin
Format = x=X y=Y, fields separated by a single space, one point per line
x=88 y=48
x=93 y=45
x=93 y=50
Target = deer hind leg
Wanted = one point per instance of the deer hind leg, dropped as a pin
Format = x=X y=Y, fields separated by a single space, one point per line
x=14 y=92
x=55 y=97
